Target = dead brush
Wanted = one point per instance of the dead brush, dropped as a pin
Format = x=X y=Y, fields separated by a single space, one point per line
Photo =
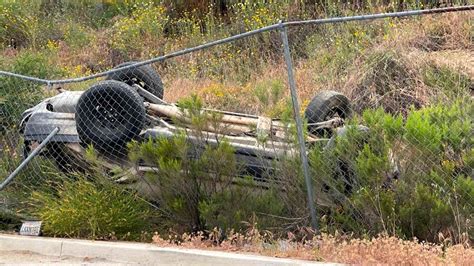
x=251 y=239
x=385 y=79
x=430 y=34
x=448 y=32
x=333 y=248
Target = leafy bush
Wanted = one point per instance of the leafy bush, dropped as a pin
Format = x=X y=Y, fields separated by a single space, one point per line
x=197 y=184
x=17 y=95
x=196 y=190
x=37 y=175
x=366 y=183
x=409 y=177
x=147 y=20
x=19 y=26
x=91 y=208
x=85 y=205
x=77 y=35
x=269 y=94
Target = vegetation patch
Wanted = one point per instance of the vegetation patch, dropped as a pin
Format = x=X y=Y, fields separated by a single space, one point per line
x=391 y=175
x=411 y=176
x=337 y=248
x=386 y=80
x=91 y=208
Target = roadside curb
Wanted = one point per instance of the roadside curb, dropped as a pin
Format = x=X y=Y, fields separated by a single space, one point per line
x=136 y=253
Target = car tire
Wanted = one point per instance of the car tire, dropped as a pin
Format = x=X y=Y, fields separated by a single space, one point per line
x=145 y=76
x=324 y=106
x=109 y=115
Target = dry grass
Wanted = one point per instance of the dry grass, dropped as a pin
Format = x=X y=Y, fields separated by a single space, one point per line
x=389 y=73
x=386 y=78
x=432 y=33
x=460 y=60
x=394 y=83
x=340 y=249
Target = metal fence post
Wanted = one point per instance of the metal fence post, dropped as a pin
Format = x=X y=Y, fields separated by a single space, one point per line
x=299 y=126
x=29 y=158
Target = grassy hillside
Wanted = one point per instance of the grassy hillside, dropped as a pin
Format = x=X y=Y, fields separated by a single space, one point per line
x=410 y=80
x=75 y=38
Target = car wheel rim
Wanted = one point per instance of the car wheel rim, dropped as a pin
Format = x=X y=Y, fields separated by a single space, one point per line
x=108 y=116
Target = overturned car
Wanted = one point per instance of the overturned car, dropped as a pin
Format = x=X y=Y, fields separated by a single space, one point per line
x=129 y=105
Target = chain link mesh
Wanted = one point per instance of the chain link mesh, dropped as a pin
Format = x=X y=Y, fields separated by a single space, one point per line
x=405 y=95
x=388 y=122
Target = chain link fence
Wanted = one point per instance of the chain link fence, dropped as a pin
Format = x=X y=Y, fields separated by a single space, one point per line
x=349 y=131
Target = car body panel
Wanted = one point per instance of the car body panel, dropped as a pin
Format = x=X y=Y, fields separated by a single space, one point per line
x=57 y=111
x=41 y=123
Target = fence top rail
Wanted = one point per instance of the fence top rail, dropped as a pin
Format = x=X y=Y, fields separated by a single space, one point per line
x=381 y=15
x=241 y=36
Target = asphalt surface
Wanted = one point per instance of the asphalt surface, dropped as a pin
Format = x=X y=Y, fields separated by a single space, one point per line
x=26 y=257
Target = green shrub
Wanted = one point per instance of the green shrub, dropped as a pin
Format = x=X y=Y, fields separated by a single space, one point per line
x=430 y=193
x=146 y=21
x=197 y=183
x=20 y=24
x=17 y=95
x=91 y=208
x=388 y=125
x=425 y=213
x=197 y=192
x=423 y=134
x=269 y=94
x=76 y=35
x=36 y=176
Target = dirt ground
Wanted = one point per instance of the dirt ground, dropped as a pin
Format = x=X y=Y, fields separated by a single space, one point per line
x=25 y=257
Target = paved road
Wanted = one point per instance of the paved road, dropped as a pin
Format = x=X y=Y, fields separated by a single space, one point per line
x=26 y=257
x=83 y=252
